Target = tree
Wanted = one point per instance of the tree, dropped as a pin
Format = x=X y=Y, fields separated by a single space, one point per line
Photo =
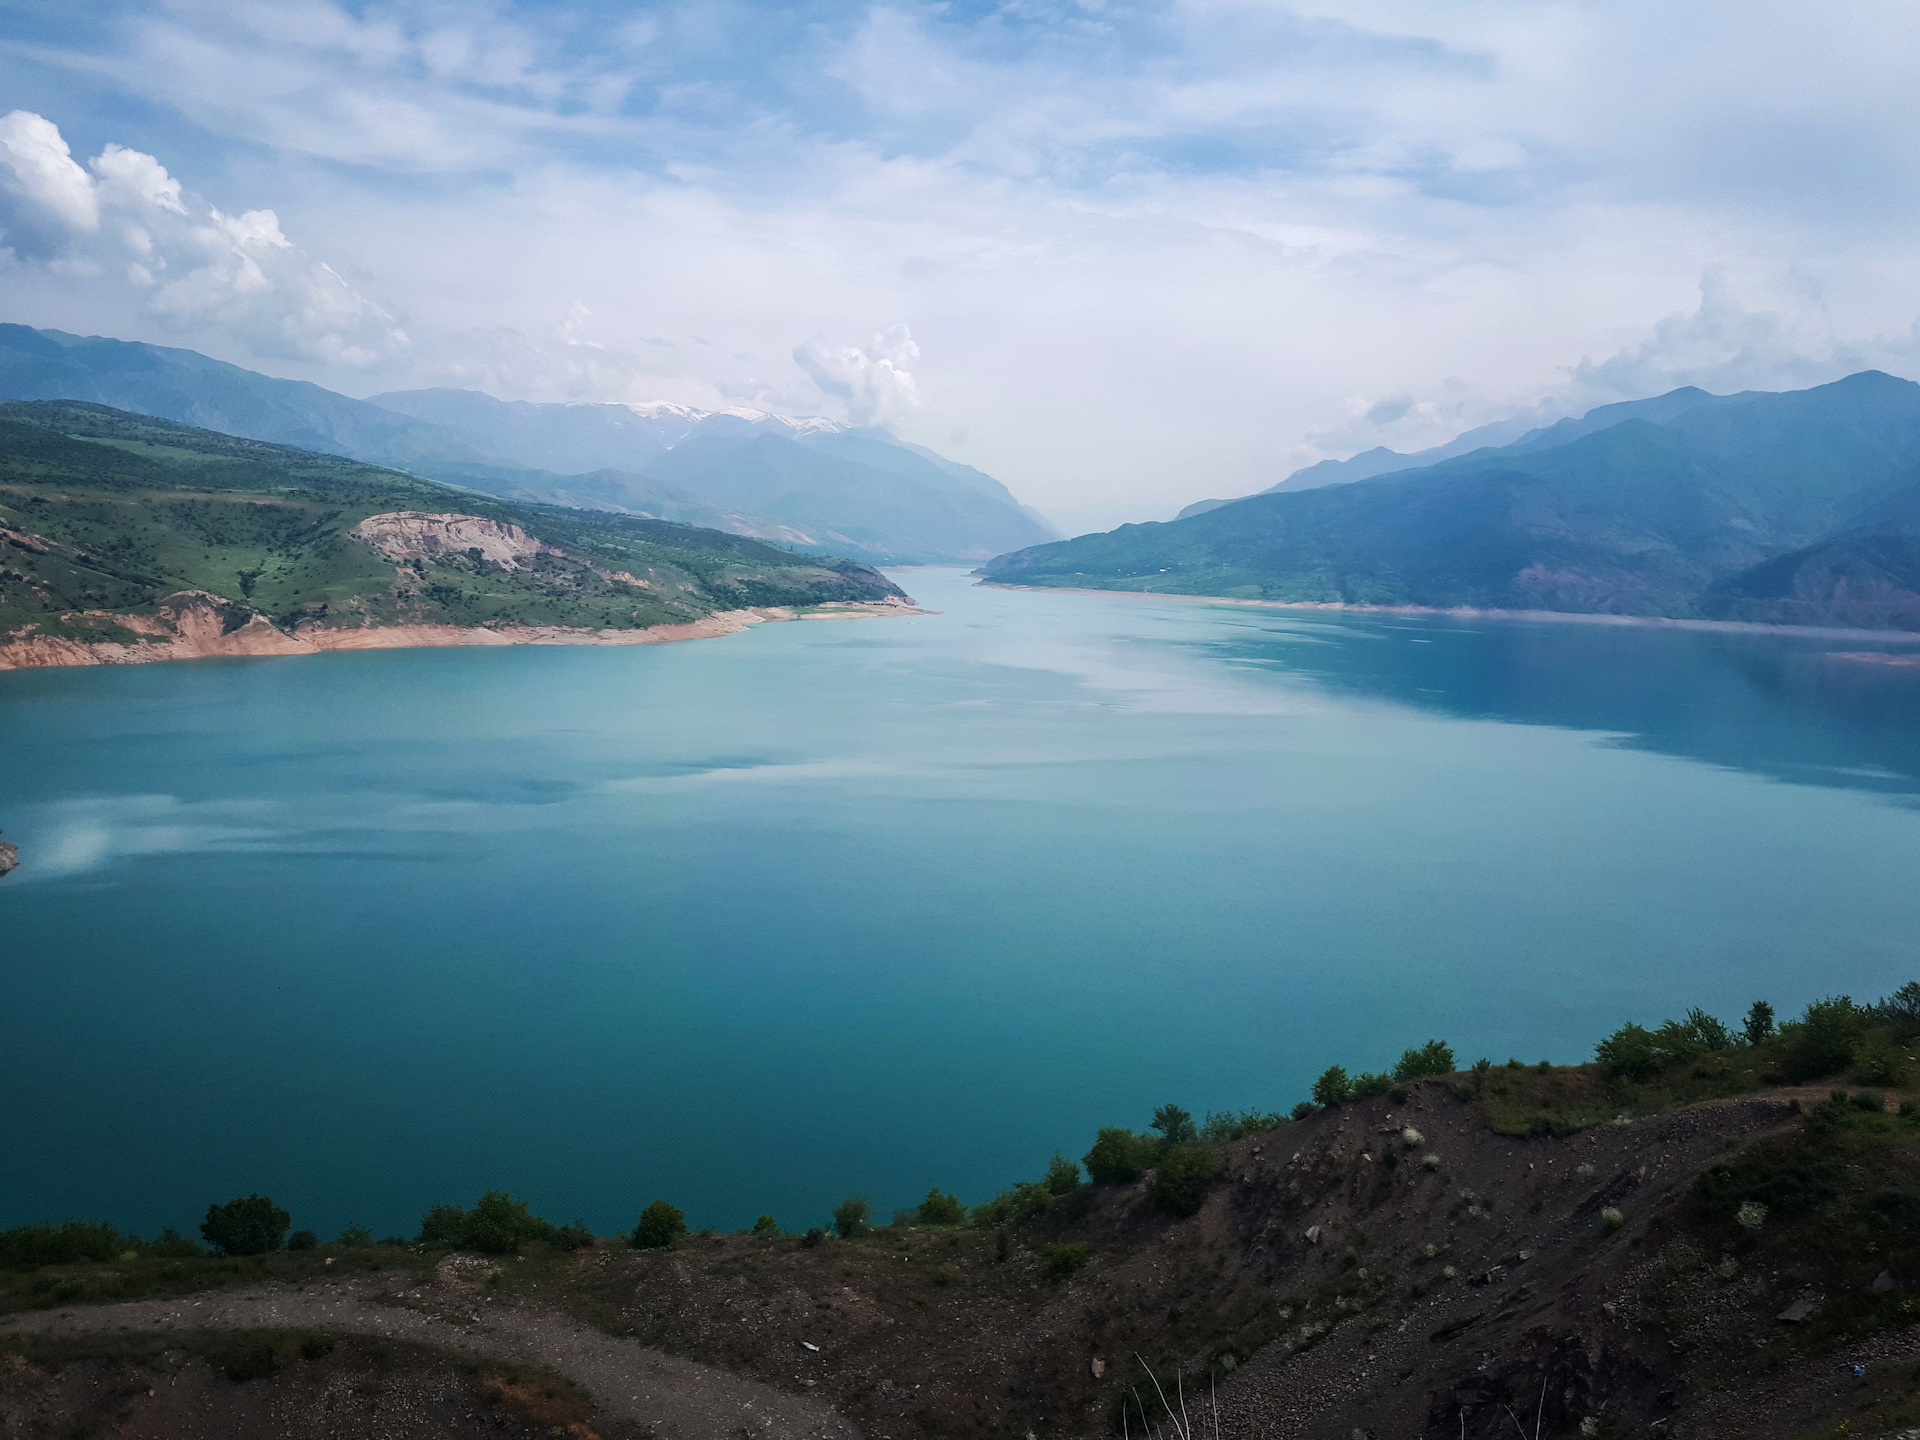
x=1759 y=1026
x=1182 y=1179
x=851 y=1216
x=941 y=1208
x=1900 y=1011
x=660 y=1225
x=1063 y=1176
x=1116 y=1156
x=766 y=1225
x=1433 y=1058
x=1175 y=1125
x=249 y=1226
x=1332 y=1087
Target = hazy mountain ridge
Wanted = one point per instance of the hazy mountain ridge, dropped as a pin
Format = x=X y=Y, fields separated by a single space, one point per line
x=1695 y=513
x=825 y=486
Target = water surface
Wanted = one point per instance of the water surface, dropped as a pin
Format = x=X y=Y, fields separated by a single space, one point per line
x=865 y=906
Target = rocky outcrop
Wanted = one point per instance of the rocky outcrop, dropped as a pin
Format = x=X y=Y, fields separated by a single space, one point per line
x=417 y=535
x=9 y=857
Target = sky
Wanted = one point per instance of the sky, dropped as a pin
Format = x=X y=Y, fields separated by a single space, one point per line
x=1121 y=255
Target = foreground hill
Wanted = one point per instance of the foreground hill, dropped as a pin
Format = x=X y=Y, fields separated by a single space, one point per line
x=124 y=537
x=814 y=484
x=1800 y=508
x=1705 y=1234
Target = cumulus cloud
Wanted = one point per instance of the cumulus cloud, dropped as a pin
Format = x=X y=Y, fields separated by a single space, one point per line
x=123 y=221
x=873 y=380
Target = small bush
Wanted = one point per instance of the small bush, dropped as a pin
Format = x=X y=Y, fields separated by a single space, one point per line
x=1900 y=1011
x=660 y=1225
x=1871 y=1103
x=1433 y=1058
x=1412 y=1138
x=1027 y=1197
x=813 y=1237
x=1184 y=1175
x=498 y=1224
x=852 y=1216
x=941 y=1208
x=354 y=1236
x=1063 y=1176
x=1432 y=1162
x=767 y=1227
x=1612 y=1218
x=1629 y=1052
x=1304 y=1109
x=1759 y=1025
x=1365 y=1086
x=1879 y=1060
x=1332 y=1087
x=317 y=1347
x=1821 y=1041
x=27 y=1247
x=303 y=1240
x=1222 y=1127
x=1067 y=1259
x=252 y=1225
x=1751 y=1215
x=1118 y=1156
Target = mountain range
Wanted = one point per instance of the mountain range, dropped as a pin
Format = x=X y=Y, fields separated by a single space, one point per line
x=812 y=484
x=1799 y=507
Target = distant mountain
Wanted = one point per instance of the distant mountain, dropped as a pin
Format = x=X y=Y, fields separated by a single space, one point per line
x=1789 y=506
x=1514 y=434
x=826 y=487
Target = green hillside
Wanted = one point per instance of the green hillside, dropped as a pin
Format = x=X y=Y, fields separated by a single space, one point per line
x=1673 y=518
x=108 y=512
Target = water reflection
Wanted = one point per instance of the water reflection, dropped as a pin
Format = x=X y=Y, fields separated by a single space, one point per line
x=1788 y=706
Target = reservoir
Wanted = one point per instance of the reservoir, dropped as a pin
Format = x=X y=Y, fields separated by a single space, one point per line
x=864 y=906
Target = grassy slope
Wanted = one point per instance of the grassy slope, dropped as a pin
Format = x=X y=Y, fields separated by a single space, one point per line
x=137 y=509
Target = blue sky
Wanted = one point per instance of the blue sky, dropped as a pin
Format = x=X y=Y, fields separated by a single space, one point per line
x=1121 y=255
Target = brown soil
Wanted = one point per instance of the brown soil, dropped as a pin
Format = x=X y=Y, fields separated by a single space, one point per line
x=1344 y=1276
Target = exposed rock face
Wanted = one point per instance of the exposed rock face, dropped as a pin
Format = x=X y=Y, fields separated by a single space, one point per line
x=9 y=857
x=416 y=535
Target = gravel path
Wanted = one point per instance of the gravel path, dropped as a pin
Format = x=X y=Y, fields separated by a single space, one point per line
x=677 y=1399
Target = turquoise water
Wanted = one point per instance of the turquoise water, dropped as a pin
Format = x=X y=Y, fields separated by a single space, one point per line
x=872 y=905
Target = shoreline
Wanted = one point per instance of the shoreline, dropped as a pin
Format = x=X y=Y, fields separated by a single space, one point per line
x=1470 y=612
x=198 y=633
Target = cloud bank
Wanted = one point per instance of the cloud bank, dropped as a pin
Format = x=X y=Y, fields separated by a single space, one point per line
x=1148 y=250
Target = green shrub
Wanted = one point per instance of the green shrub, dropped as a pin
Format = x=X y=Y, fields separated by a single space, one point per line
x=941 y=1208
x=1026 y=1198
x=1630 y=1051
x=1332 y=1087
x=1182 y=1179
x=852 y=1216
x=660 y=1225
x=1879 y=1060
x=1365 y=1086
x=1175 y=1125
x=1304 y=1109
x=813 y=1236
x=1223 y=1126
x=27 y=1247
x=1900 y=1011
x=252 y=1225
x=1698 y=1034
x=1067 y=1259
x=354 y=1236
x=766 y=1226
x=1433 y=1058
x=1821 y=1041
x=1759 y=1026
x=498 y=1224
x=1118 y=1156
x=1063 y=1176
x=303 y=1240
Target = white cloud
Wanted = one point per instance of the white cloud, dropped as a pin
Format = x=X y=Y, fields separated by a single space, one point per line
x=873 y=380
x=195 y=270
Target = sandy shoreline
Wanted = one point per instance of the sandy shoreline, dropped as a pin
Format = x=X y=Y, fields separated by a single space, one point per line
x=196 y=631
x=1468 y=612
